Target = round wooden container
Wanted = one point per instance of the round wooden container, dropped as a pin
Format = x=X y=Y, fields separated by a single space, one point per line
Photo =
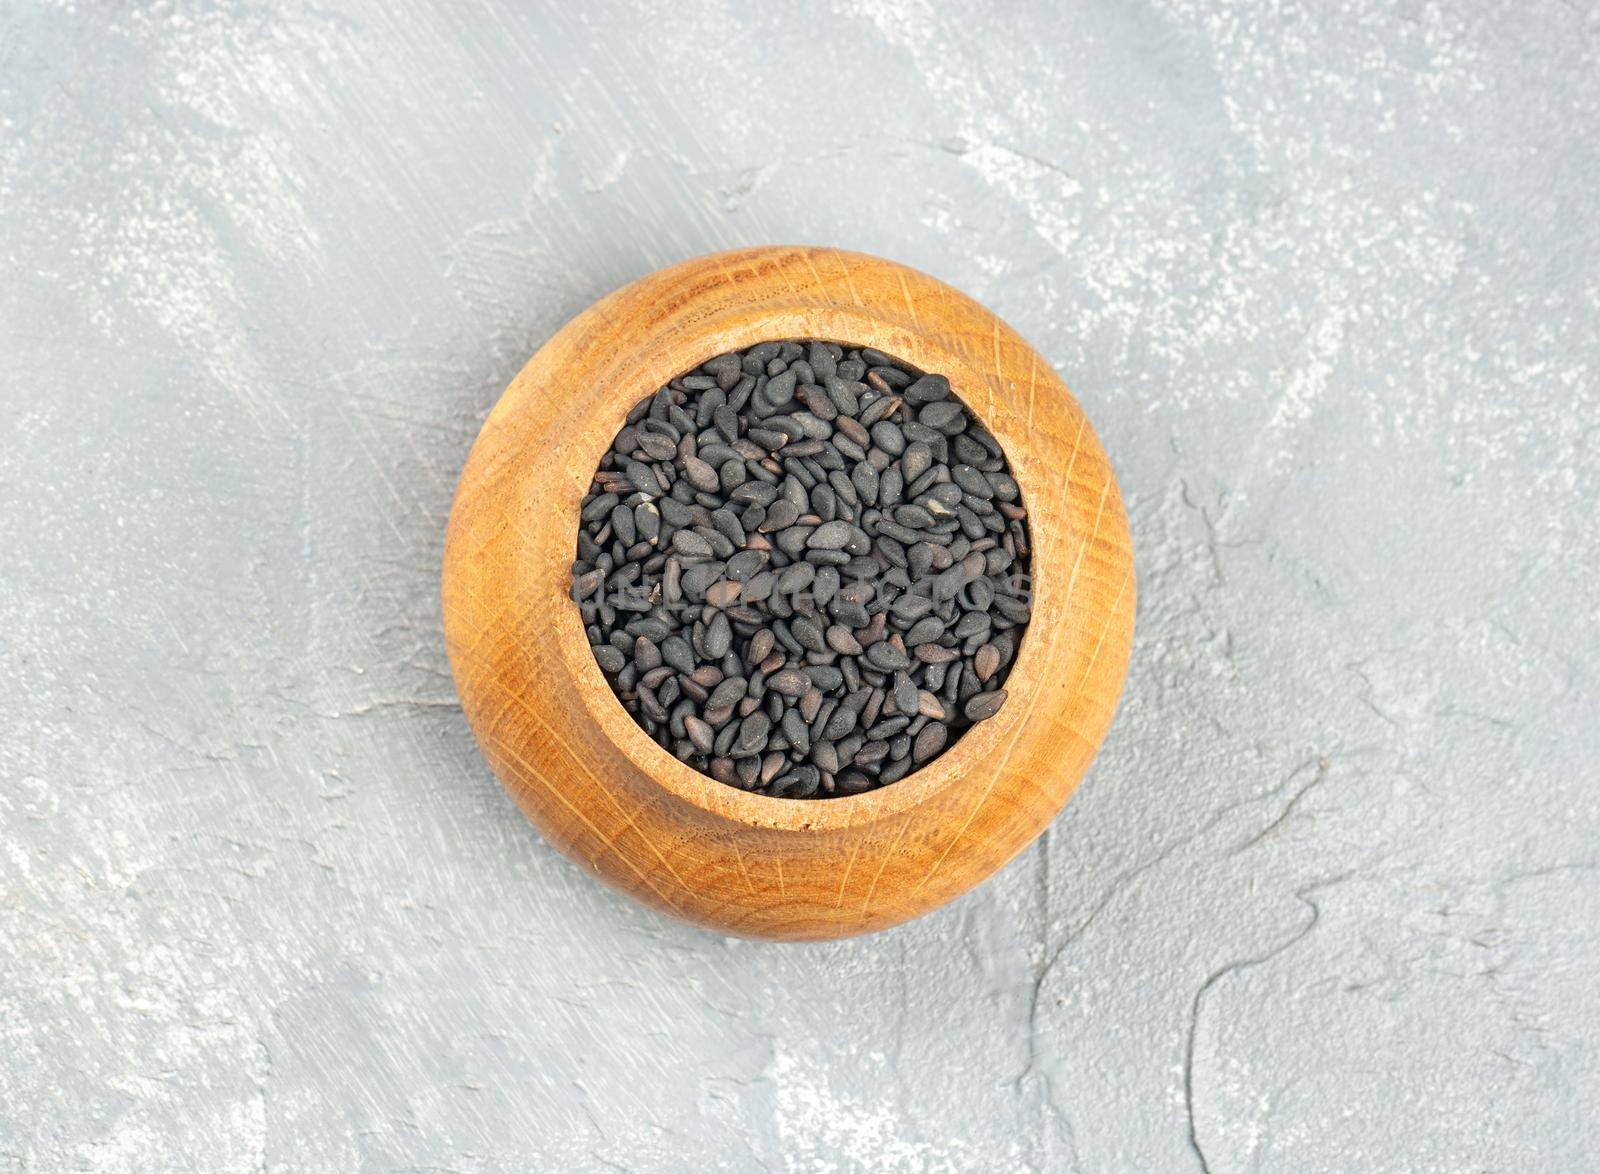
x=660 y=831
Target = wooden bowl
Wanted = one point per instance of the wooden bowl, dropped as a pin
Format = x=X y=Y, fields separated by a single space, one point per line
x=660 y=831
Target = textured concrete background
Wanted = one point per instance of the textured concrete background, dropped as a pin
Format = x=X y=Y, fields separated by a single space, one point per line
x=1326 y=277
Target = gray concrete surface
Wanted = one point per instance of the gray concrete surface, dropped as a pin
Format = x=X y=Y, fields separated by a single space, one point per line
x=1326 y=277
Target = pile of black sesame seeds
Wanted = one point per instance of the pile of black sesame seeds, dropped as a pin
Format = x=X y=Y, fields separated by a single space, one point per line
x=804 y=569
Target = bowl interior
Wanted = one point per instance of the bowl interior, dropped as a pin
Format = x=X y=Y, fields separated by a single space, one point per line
x=633 y=376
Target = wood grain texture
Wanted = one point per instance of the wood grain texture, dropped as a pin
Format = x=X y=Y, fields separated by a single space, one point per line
x=655 y=828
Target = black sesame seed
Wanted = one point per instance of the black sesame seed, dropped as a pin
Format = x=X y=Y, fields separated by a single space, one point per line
x=718 y=638
x=984 y=705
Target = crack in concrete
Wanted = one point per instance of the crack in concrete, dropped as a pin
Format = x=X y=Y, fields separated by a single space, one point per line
x=1289 y=808
x=1303 y=894
x=1125 y=879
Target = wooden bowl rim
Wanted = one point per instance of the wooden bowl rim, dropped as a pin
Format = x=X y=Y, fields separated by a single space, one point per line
x=695 y=342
